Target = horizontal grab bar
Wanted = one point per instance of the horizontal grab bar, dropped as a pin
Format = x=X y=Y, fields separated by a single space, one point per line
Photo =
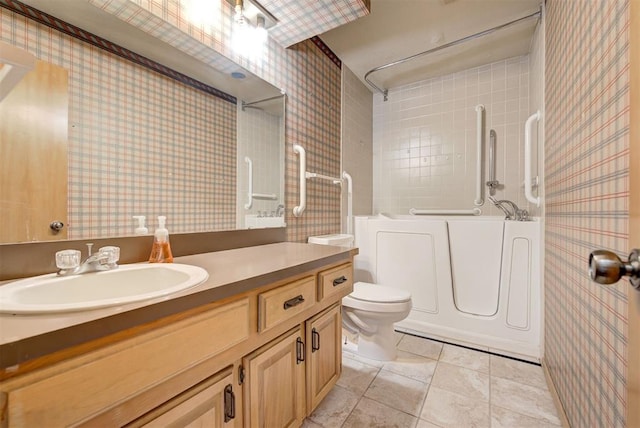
x=265 y=196
x=473 y=211
x=323 y=177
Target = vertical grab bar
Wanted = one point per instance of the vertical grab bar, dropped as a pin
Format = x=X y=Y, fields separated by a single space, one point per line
x=249 y=204
x=299 y=209
x=528 y=188
x=478 y=200
x=492 y=183
x=347 y=176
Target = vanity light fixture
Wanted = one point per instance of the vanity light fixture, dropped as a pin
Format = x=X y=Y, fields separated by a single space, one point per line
x=250 y=24
x=205 y=13
x=250 y=10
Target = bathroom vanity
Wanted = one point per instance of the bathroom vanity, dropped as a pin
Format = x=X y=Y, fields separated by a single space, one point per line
x=257 y=344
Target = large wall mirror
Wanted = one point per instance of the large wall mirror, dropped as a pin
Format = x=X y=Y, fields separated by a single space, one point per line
x=129 y=141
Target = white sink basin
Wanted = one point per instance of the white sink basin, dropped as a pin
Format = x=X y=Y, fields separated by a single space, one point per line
x=126 y=284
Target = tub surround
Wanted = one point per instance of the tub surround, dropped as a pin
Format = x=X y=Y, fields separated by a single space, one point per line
x=231 y=273
x=461 y=292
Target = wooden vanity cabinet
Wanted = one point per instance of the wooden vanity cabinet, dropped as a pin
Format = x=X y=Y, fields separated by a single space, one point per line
x=211 y=403
x=324 y=354
x=267 y=357
x=286 y=379
x=274 y=383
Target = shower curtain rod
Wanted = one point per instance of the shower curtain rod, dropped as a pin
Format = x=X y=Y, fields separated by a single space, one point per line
x=245 y=104
x=385 y=92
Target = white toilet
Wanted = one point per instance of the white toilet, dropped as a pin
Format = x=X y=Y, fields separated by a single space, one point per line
x=370 y=310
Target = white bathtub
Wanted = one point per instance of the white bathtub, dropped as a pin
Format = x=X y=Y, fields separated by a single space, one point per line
x=475 y=281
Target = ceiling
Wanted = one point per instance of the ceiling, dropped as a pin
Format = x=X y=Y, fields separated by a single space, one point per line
x=128 y=24
x=397 y=29
x=394 y=29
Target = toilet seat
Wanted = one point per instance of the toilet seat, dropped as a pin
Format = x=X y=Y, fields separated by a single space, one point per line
x=377 y=298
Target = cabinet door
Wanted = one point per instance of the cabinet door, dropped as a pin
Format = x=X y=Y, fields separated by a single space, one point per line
x=275 y=383
x=211 y=403
x=324 y=365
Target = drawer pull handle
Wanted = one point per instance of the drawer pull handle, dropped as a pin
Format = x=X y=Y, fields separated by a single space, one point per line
x=229 y=403
x=315 y=340
x=299 y=351
x=339 y=281
x=293 y=302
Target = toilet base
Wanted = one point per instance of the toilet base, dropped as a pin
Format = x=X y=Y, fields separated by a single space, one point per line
x=380 y=346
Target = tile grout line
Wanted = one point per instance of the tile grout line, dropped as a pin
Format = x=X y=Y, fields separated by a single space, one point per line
x=471 y=348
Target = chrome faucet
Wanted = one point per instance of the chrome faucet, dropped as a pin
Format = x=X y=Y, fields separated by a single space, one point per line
x=68 y=261
x=511 y=210
x=280 y=210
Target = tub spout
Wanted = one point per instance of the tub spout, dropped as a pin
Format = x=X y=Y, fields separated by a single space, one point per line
x=510 y=209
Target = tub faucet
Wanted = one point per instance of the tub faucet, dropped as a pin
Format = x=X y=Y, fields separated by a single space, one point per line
x=280 y=210
x=510 y=209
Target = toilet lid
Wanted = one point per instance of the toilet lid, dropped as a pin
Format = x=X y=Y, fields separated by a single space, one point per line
x=378 y=293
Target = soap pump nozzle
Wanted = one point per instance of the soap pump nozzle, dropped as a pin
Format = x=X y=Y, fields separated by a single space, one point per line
x=141 y=229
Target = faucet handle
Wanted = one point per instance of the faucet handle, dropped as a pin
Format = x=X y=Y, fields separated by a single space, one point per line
x=114 y=253
x=68 y=259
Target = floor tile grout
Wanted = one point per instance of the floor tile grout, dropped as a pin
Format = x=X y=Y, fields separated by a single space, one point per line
x=459 y=360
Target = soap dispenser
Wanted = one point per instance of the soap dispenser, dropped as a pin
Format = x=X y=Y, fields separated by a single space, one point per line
x=141 y=229
x=161 y=250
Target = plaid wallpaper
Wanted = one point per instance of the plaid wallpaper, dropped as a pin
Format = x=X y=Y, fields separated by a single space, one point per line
x=308 y=76
x=587 y=203
x=120 y=115
x=313 y=121
x=139 y=143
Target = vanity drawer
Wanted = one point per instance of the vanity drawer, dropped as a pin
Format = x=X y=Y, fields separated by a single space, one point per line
x=284 y=302
x=335 y=280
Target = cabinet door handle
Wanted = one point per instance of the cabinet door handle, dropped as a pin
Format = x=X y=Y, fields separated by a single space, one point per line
x=299 y=351
x=339 y=281
x=293 y=302
x=315 y=340
x=229 y=403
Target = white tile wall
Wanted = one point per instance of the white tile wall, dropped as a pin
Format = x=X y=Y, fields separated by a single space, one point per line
x=424 y=138
x=260 y=137
x=357 y=136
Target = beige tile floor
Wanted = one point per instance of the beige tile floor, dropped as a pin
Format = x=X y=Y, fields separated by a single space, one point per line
x=432 y=384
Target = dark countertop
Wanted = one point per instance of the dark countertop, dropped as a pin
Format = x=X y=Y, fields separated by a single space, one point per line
x=231 y=272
